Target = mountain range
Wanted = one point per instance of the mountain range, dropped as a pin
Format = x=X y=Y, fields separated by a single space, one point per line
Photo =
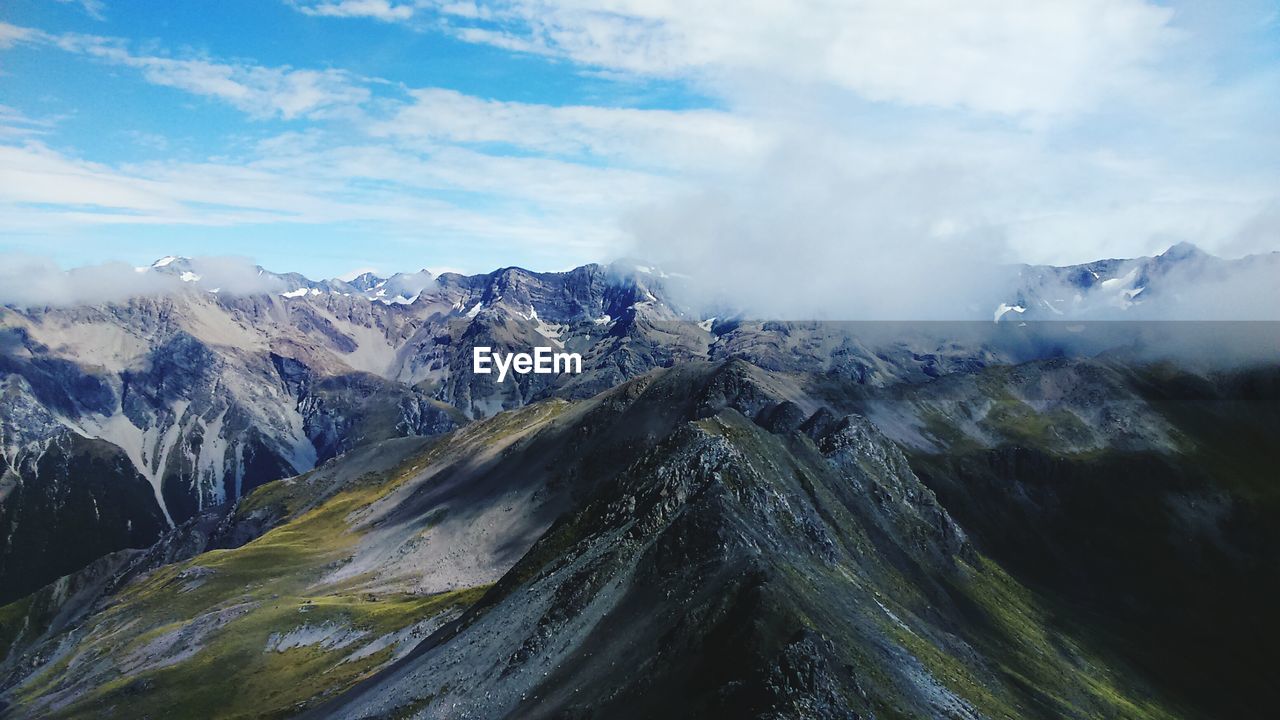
x=294 y=497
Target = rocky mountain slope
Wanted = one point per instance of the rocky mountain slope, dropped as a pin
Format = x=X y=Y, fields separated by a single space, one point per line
x=1143 y=497
x=134 y=435
x=702 y=540
x=219 y=384
x=208 y=395
x=714 y=539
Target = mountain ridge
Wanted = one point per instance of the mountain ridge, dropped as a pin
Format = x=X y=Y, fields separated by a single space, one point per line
x=210 y=394
x=1109 y=286
x=661 y=488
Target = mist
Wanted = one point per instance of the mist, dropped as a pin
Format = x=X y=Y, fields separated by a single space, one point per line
x=809 y=235
x=823 y=231
x=28 y=281
x=1245 y=290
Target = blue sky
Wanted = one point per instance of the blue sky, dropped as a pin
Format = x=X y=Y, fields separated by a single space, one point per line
x=335 y=135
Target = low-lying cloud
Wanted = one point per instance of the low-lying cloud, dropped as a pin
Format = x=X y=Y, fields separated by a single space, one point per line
x=809 y=236
x=832 y=229
x=30 y=281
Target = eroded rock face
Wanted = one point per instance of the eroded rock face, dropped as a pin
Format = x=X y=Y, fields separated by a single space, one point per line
x=209 y=396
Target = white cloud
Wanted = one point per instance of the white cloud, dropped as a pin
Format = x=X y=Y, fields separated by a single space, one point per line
x=377 y=9
x=15 y=124
x=1013 y=57
x=838 y=225
x=1046 y=58
x=649 y=137
x=93 y=8
x=10 y=35
x=438 y=163
x=35 y=174
x=27 y=280
x=259 y=91
x=535 y=204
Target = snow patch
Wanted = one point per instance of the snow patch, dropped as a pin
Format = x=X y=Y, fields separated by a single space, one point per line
x=1005 y=309
x=1114 y=282
x=549 y=331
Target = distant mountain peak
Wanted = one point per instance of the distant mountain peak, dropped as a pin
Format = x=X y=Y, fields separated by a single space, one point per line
x=365 y=281
x=1182 y=251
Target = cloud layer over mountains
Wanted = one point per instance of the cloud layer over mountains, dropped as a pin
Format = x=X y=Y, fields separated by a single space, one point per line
x=811 y=233
x=755 y=262
x=31 y=281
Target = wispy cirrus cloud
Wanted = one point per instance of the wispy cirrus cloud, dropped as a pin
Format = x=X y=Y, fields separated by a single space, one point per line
x=95 y=9
x=661 y=138
x=260 y=91
x=432 y=160
x=16 y=125
x=376 y=9
x=10 y=35
x=432 y=117
x=540 y=204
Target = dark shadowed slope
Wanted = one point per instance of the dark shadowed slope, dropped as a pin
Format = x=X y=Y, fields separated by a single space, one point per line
x=1144 y=499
